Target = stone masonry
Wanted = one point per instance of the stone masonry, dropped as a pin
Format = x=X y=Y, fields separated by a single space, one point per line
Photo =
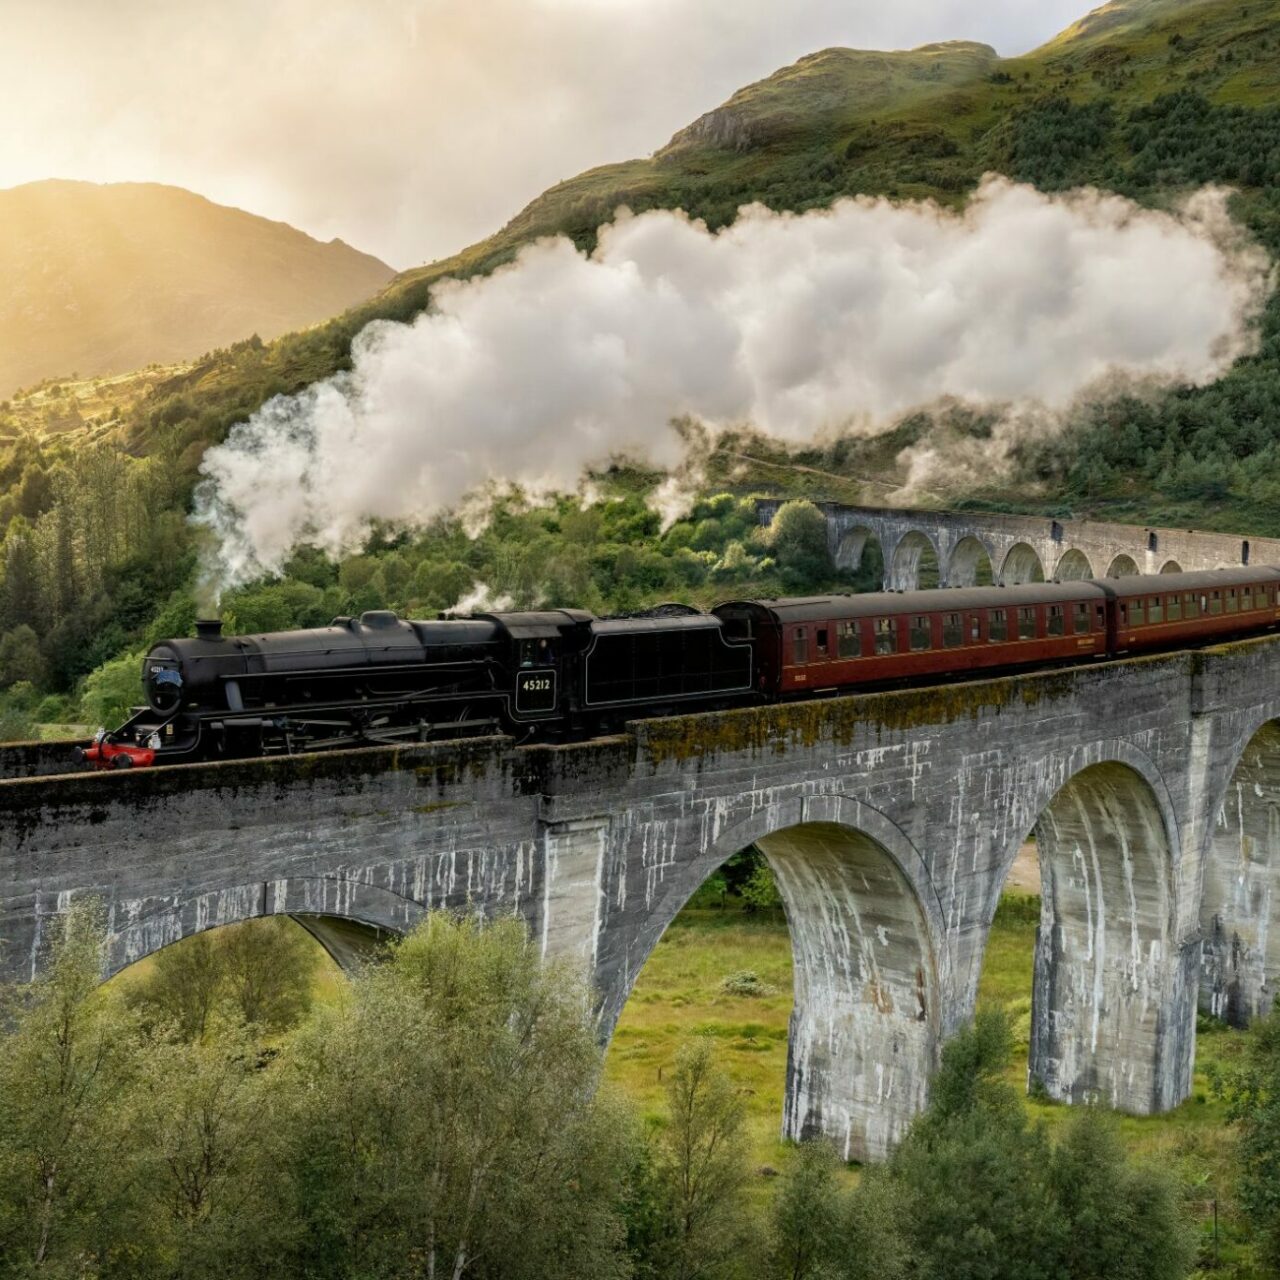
x=1017 y=549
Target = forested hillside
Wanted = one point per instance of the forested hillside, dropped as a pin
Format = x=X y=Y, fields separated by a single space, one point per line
x=1150 y=98
x=101 y=278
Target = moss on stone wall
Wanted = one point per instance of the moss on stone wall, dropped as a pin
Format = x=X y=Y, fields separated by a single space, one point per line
x=783 y=727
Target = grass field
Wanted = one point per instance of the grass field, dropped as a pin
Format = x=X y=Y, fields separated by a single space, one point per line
x=680 y=994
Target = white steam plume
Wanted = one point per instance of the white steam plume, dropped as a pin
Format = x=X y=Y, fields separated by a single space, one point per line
x=480 y=599
x=842 y=319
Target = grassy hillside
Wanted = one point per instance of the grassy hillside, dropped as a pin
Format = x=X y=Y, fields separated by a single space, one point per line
x=1148 y=97
x=99 y=279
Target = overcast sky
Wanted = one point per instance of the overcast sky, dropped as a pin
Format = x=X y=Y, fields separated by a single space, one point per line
x=411 y=128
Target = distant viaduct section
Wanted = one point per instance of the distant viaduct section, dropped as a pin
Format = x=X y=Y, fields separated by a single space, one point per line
x=891 y=821
x=964 y=548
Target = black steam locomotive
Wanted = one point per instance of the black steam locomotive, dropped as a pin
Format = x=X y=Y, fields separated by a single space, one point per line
x=564 y=673
x=381 y=679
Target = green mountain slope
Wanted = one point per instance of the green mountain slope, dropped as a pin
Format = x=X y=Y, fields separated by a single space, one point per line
x=1147 y=97
x=102 y=279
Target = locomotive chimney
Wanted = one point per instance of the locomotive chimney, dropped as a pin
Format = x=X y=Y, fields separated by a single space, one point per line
x=208 y=628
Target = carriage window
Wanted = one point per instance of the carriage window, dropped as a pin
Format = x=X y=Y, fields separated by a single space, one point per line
x=822 y=642
x=1027 y=623
x=847 y=640
x=1232 y=603
x=1246 y=599
x=997 y=625
x=1175 y=608
x=1155 y=609
x=975 y=628
x=800 y=645
x=921 y=634
x=1215 y=603
x=886 y=635
x=1137 y=614
x=952 y=631
x=1057 y=621
x=1082 y=619
x=1190 y=605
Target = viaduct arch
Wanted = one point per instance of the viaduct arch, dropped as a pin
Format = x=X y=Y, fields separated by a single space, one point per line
x=891 y=819
x=1020 y=548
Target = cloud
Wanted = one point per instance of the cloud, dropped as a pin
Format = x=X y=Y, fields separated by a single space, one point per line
x=411 y=127
x=797 y=325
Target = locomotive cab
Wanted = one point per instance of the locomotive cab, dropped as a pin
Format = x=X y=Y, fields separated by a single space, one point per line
x=542 y=651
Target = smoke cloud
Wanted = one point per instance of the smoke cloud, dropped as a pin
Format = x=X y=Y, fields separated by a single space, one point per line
x=800 y=326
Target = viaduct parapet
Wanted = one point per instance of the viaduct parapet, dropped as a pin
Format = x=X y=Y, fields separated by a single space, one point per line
x=891 y=821
x=963 y=548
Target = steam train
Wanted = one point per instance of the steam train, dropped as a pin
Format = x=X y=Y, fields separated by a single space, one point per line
x=563 y=673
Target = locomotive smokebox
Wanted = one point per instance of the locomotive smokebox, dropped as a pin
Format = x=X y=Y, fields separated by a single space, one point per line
x=208 y=628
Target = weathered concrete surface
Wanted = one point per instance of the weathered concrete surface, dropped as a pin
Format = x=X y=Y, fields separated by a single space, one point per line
x=866 y=1012
x=1241 y=948
x=1016 y=549
x=1104 y=944
x=36 y=759
x=892 y=821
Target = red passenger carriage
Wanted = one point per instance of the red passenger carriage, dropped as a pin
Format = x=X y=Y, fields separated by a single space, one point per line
x=837 y=642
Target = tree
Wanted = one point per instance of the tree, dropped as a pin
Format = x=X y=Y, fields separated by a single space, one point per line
x=1253 y=1090
x=875 y=1233
x=972 y=1172
x=807 y=1216
x=70 y=1176
x=447 y=1125
x=1123 y=1221
x=112 y=690
x=20 y=583
x=798 y=537
x=212 y=1128
x=184 y=985
x=702 y=1166
x=20 y=656
x=975 y=1191
x=268 y=971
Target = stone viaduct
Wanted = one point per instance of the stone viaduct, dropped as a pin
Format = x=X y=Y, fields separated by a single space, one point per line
x=891 y=820
x=961 y=549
